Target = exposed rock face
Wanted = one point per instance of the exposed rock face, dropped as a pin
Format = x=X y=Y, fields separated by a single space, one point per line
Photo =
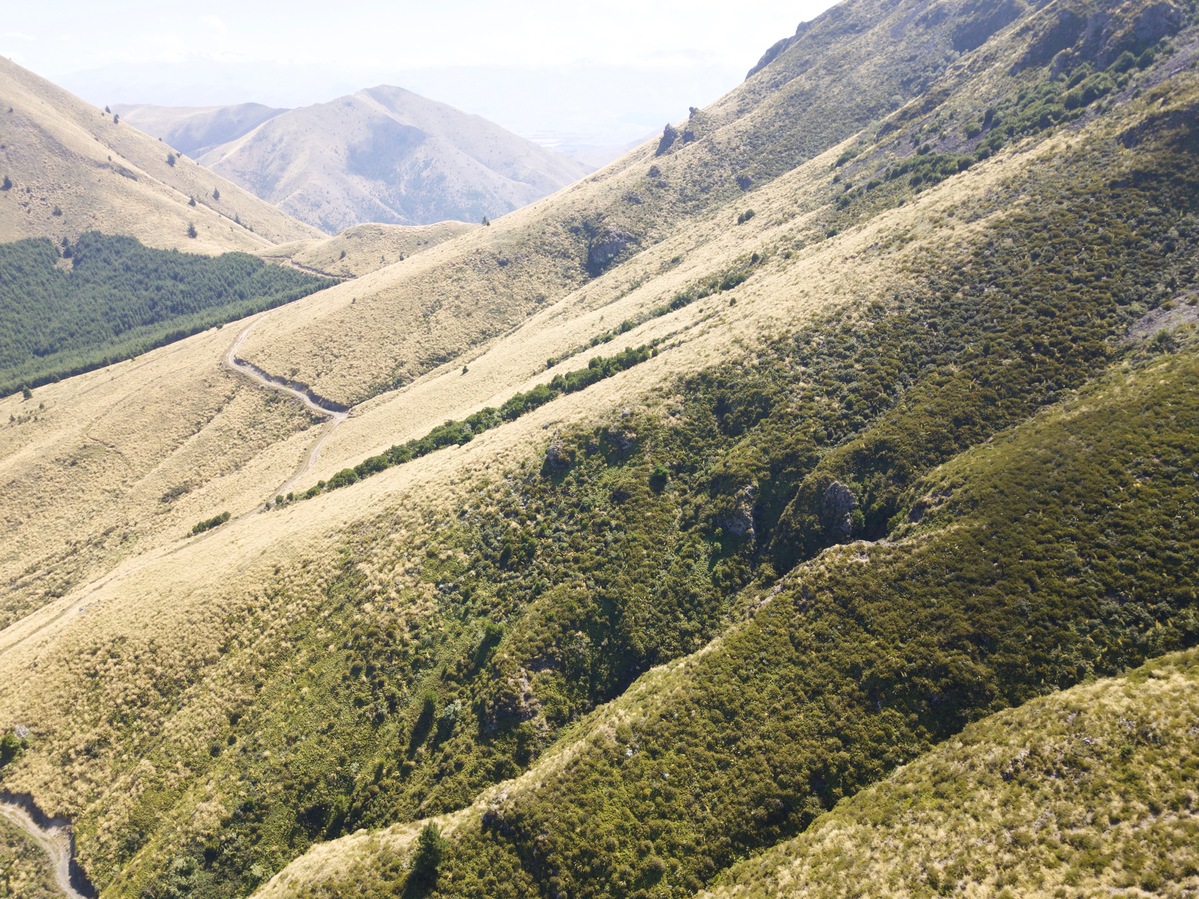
x=836 y=510
x=1099 y=37
x=557 y=456
x=1156 y=22
x=740 y=521
x=605 y=248
x=624 y=439
x=669 y=135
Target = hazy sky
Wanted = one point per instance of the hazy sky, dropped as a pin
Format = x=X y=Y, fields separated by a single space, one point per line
x=600 y=73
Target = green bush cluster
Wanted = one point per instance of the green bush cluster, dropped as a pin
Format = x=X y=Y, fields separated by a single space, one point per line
x=11 y=747
x=457 y=433
x=209 y=523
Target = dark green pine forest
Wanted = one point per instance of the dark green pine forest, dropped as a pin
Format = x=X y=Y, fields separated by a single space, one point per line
x=75 y=307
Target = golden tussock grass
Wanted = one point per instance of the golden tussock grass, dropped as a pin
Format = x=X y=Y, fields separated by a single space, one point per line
x=363 y=249
x=74 y=170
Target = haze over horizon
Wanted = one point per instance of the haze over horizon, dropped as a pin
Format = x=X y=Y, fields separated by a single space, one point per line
x=572 y=77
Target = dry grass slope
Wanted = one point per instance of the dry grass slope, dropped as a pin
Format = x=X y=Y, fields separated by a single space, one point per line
x=73 y=169
x=363 y=249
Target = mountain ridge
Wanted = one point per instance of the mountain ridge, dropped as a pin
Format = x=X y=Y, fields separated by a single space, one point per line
x=73 y=168
x=197 y=129
x=383 y=154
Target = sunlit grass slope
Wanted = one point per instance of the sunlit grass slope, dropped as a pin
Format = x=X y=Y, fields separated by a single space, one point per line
x=845 y=73
x=71 y=168
x=366 y=248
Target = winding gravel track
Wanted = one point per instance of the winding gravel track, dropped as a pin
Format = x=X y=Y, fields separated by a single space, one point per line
x=55 y=842
x=231 y=362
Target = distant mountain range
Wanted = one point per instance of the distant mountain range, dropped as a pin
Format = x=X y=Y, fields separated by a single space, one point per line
x=381 y=155
x=198 y=129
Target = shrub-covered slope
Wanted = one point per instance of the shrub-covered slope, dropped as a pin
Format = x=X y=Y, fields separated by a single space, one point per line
x=1056 y=551
x=1089 y=791
x=630 y=545
x=836 y=538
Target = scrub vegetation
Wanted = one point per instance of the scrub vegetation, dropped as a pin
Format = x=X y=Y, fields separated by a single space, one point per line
x=845 y=537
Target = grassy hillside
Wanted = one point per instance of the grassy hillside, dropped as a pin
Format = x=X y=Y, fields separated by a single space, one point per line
x=388 y=155
x=916 y=446
x=847 y=75
x=72 y=168
x=116 y=299
x=366 y=248
x=842 y=76
x=1087 y=791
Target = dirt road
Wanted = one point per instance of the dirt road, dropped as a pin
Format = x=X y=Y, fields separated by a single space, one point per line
x=335 y=417
x=54 y=841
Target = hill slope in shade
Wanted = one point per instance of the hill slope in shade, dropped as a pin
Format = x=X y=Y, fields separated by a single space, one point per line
x=908 y=440
x=197 y=129
x=73 y=169
x=388 y=155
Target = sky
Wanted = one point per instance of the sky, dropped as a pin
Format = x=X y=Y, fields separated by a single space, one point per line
x=572 y=74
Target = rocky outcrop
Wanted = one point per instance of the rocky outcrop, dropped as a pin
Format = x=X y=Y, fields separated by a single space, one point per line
x=739 y=521
x=606 y=247
x=557 y=456
x=836 y=511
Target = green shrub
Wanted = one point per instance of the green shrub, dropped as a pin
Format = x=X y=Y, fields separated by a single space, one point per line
x=209 y=523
